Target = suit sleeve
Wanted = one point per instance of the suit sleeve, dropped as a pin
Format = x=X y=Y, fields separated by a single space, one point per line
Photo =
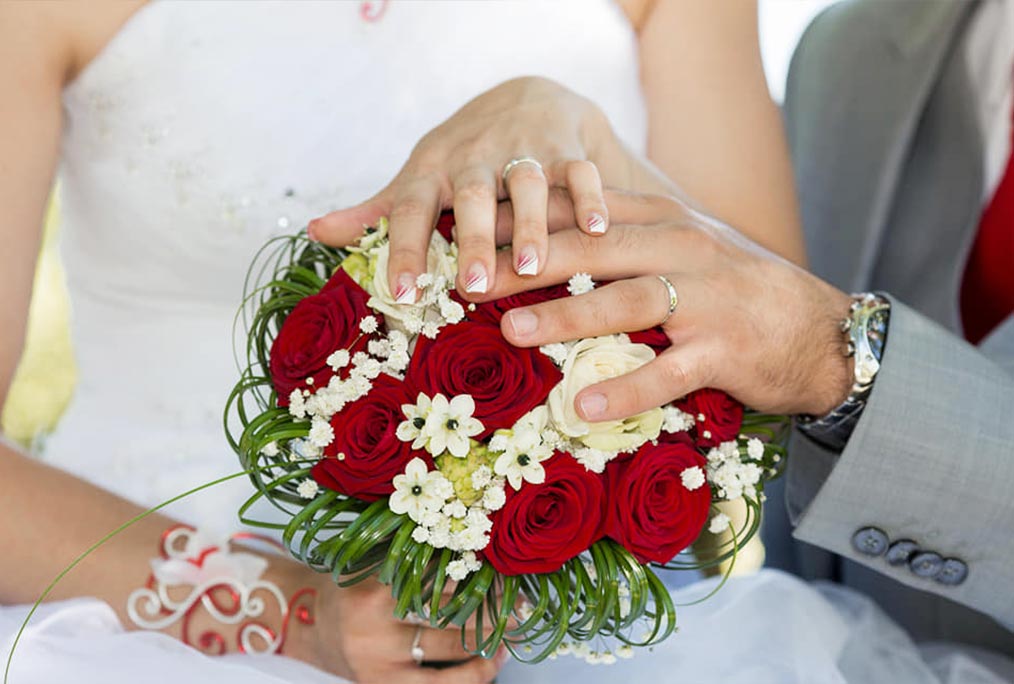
x=931 y=461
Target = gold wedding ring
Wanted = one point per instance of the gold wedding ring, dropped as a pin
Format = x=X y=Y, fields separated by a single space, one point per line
x=517 y=161
x=673 y=297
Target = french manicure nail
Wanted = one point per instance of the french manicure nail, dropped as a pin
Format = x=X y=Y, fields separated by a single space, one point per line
x=528 y=262
x=477 y=280
x=522 y=322
x=405 y=292
x=311 y=231
x=596 y=224
x=593 y=405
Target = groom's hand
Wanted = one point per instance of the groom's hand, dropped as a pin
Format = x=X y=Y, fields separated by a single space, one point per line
x=747 y=321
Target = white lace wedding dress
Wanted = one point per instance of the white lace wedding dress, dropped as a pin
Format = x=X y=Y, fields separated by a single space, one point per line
x=205 y=128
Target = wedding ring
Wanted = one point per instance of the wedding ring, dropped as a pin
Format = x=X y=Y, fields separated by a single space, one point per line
x=673 y=297
x=417 y=653
x=517 y=161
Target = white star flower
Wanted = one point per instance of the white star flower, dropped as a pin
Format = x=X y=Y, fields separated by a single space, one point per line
x=308 y=488
x=450 y=424
x=415 y=490
x=692 y=478
x=580 y=283
x=411 y=429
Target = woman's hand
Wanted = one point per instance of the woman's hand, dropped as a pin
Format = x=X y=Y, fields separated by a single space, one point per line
x=459 y=165
x=747 y=322
x=355 y=635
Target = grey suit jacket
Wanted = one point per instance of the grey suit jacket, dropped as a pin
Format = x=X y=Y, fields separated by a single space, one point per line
x=888 y=159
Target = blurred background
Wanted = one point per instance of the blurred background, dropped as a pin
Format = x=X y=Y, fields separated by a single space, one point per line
x=45 y=379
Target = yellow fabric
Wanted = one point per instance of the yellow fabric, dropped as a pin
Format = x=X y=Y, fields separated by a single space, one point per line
x=46 y=375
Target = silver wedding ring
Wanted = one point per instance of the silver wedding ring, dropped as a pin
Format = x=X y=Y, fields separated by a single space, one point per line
x=518 y=161
x=673 y=297
x=417 y=653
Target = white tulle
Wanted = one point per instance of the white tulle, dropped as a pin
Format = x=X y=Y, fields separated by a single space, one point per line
x=205 y=128
x=766 y=629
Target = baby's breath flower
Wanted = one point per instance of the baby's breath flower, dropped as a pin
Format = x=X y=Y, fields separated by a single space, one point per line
x=368 y=324
x=321 y=433
x=755 y=448
x=719 y=523
x=270 y=449
x=692 y=477
x=580 y=283
x=308 y=488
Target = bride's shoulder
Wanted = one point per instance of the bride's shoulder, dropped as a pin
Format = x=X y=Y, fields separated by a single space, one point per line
x=61 y=37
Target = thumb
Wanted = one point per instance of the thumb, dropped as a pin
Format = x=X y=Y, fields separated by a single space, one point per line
x=343 y=227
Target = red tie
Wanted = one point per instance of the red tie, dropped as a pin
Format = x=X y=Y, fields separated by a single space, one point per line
x=987 y=292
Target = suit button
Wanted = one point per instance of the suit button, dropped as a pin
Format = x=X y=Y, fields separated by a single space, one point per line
x=953 y=572
x=926 y=564
x=869 y=541
x=900 y=551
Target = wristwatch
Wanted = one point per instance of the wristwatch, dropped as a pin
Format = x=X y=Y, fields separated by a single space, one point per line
x=866 y=329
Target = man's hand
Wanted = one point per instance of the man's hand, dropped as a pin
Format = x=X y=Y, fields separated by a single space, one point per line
x=748 y=322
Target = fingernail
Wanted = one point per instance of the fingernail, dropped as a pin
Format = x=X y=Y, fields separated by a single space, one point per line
x=311 y=231
x=528 y=262
x=593 y=405
x=596 y=224
x=477 y=280
x=405 y=292
x=522 y=322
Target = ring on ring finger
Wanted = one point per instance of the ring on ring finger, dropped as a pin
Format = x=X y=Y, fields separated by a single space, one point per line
x=517 y=161
x=674 y=299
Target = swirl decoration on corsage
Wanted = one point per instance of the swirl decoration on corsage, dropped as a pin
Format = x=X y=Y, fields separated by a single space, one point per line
x=196 y=571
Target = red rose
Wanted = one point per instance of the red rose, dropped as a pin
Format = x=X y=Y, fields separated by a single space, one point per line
x=723 y=416
x=652 y=514
x=541 y=527
x=317 y=327
x=492 y=312
x=445 y=224
x=364 y=433
x=473 y=358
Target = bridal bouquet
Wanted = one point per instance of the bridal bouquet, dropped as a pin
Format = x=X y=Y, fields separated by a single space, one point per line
x=409 y=440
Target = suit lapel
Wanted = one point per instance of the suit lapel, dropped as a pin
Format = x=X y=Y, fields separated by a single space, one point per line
x=872 y=96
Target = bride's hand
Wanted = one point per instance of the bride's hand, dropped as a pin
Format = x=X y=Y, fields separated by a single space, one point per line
x=747 y=322
x=460 y=165
x=355 y=635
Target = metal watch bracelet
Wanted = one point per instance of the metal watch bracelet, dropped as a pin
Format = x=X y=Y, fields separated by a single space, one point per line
x=866 y=330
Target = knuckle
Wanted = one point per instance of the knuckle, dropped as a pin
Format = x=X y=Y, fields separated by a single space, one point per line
x=676 y=375
x=475 y=243
x=475 y=191
x=408 y=208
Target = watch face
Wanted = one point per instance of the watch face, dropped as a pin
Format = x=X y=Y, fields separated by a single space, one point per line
x=876 y=331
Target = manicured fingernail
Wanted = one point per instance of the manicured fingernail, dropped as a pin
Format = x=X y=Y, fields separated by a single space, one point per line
x=593 y=405
x=596 y=224
x=405 y=292
x=311 y=230
x=528 y=262
x=477 y=281
x=522 y=322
